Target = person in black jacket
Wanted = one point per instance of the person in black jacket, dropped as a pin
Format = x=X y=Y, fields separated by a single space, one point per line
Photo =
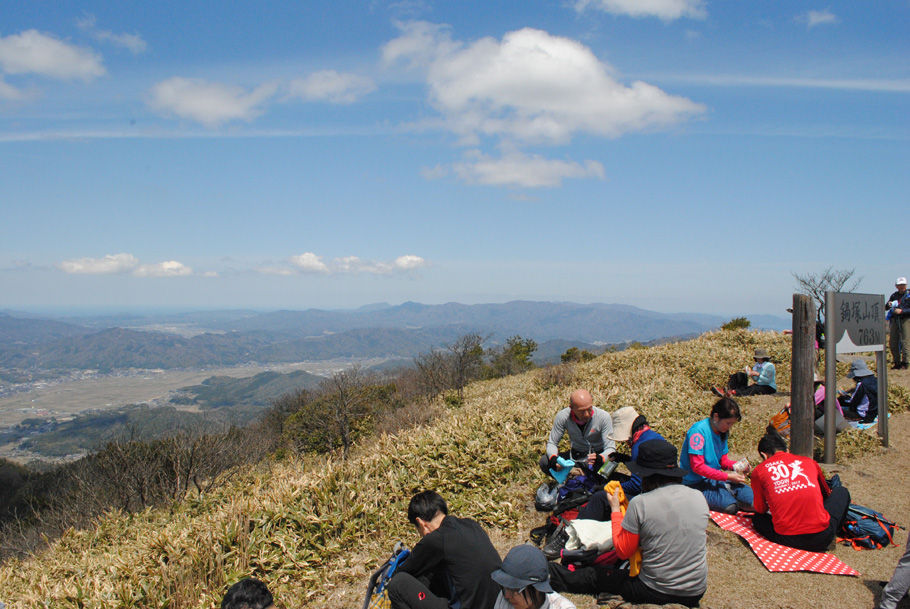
x=898 y=307
x=451 y=564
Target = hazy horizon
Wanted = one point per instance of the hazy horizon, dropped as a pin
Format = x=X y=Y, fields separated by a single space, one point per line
x=63 y=311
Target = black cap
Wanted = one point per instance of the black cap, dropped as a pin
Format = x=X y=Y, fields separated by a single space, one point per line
x=656 y=457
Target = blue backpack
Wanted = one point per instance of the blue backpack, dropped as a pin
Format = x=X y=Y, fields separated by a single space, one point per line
x=377 y=589
x=864 y=528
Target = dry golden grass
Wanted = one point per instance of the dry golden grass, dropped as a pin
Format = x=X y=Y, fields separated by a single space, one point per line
x=314 y=529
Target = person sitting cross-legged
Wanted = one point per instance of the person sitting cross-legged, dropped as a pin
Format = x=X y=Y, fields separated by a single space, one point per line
x=709 y=468
x=805 y=513
x=588 y=428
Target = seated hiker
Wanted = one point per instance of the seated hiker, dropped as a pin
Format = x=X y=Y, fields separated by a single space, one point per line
x=525 y=582
x=862 y=403
x=588 y=428
x=840 y=423
x=667 y=522
x=709 y=468
x=763 y=373
x=249 y=593
x=805 y=513
x=451 y=564
x=633 y=429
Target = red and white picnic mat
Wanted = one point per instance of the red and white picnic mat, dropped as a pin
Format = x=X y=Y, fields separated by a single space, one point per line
x=778 y=558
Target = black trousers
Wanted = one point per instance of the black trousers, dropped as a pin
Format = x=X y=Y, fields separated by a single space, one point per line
x=739 y=382
x=836 y=505
x=592 y=580
x=597 y=508
x=407 y=592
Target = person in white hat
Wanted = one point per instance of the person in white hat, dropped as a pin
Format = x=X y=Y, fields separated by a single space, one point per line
x=898 y=307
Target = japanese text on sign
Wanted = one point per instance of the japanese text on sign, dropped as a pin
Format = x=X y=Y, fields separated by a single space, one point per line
x=859 y=322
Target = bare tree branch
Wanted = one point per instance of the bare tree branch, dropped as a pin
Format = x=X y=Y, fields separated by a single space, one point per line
x=831 y=279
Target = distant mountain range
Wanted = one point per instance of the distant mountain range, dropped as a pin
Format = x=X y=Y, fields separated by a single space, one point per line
x=379 y=330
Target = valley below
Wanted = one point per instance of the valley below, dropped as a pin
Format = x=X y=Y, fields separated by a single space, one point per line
x=85 y=392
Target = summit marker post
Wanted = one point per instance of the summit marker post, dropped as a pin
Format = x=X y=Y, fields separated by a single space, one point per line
x=854 y=323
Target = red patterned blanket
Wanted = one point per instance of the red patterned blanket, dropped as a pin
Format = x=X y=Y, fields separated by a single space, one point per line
x=778 y=558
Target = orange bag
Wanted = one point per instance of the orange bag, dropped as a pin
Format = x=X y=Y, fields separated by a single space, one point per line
x=781 y=421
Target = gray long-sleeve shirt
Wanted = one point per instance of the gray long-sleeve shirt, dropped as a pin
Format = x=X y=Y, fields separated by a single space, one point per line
x=590 y=438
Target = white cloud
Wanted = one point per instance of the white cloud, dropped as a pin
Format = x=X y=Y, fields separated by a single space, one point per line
x=109 y=265
x=132 y=42
x=331 y=86
x=308 y=262
x=532 y=87
x=209 y=103
x=814 y=18
x=352 y=264
x=169 y=268
x=409 y=262
x=32 y=52
x=114 y=264
x=421 y=44
x=666 y=10
x=518 y=169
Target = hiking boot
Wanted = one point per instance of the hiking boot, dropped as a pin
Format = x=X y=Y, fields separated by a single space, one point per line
x=717 y=391
x=557 y=542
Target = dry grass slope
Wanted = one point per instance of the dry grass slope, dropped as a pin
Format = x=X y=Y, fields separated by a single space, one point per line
x=314 y=529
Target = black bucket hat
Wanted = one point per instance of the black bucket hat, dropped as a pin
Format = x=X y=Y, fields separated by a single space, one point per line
x=656 y=457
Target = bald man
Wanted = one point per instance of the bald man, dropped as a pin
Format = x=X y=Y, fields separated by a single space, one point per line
x=589 y=430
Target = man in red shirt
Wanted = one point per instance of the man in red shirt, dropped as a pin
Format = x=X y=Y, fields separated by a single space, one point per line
x=805 y=512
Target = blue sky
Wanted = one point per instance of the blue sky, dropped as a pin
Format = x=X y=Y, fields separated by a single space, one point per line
x=679 y=155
